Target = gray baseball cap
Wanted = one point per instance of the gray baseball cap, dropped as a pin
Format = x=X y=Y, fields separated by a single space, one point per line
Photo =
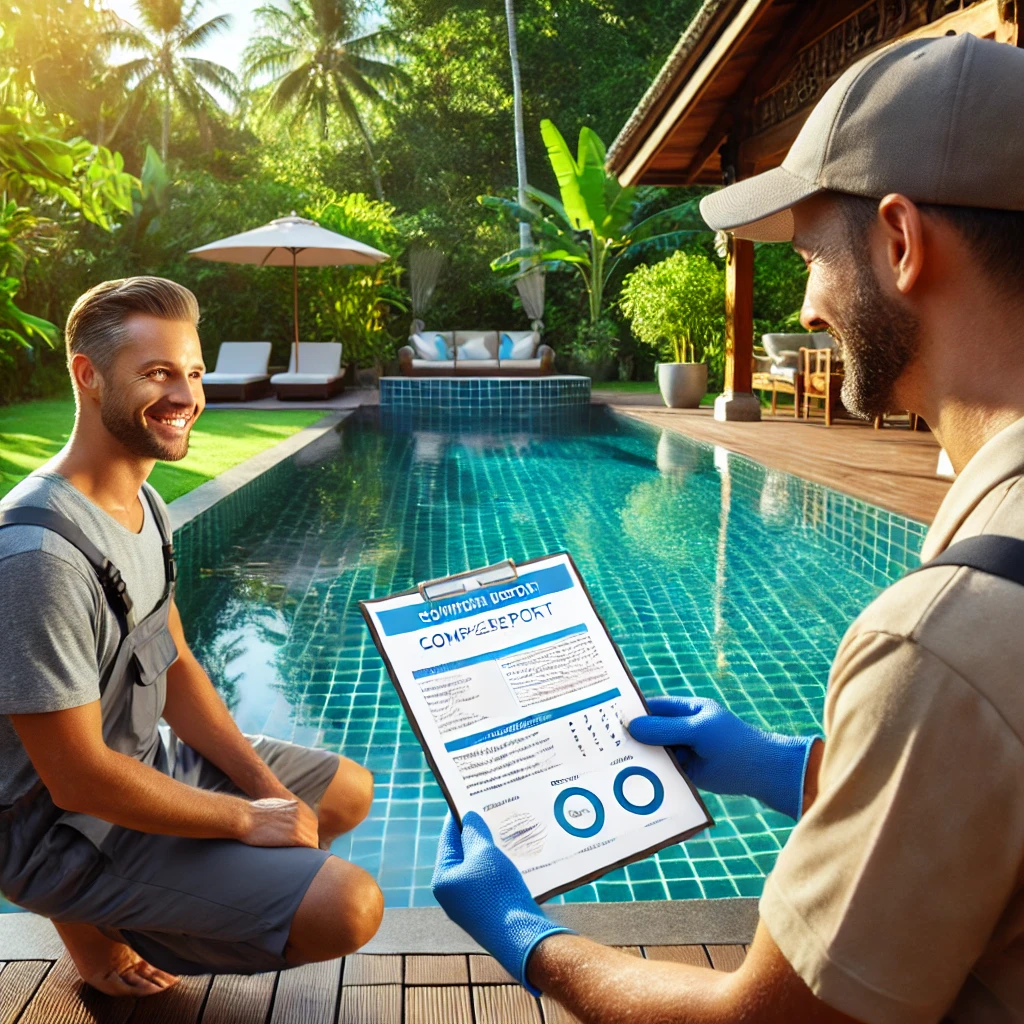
x=937 y=120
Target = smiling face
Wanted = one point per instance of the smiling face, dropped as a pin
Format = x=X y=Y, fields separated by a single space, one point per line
x=152 y=393
x=878 y=335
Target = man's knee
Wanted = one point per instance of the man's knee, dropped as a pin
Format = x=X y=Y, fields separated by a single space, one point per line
x=347 y=799
x=341 y=912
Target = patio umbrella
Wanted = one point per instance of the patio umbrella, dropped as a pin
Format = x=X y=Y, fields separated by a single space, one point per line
x=292 y=241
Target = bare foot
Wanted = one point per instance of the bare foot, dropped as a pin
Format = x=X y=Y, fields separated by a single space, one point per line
x=111 y=967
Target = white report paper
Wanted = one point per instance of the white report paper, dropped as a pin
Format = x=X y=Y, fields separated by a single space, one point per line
x=521 y=700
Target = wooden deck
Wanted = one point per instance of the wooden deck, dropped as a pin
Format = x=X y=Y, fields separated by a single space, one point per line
x=361 y=989
x=893 y=467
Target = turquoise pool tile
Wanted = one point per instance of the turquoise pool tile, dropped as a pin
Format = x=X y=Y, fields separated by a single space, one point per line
x=697 y=582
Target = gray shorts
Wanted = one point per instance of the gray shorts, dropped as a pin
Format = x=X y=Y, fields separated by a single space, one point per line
x=191 y=906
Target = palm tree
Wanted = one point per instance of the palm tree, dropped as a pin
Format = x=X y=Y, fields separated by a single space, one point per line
x=163 y=72
x=309 y=55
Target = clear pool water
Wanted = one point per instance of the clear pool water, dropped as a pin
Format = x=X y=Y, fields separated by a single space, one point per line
x=715 y=575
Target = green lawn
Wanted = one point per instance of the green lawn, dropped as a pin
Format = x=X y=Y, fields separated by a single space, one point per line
x=33 y=432
x=638 y=386
x=643 y=387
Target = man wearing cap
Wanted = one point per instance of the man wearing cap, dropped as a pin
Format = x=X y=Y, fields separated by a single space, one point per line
x=899 y=896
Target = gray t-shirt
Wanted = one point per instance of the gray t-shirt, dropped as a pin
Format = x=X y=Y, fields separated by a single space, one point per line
x=59 y=633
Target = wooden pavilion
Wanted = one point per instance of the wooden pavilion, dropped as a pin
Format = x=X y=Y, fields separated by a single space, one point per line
x=737 y=88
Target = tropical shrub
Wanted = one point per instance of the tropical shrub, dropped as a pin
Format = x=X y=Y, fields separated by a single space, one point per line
x=592 y=228
x=356 y=304
x=677 y=307
x=779 y=281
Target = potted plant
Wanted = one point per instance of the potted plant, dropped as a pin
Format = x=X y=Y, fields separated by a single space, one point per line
x=677 y=307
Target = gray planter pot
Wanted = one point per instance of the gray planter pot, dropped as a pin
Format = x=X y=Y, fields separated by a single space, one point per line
x=682 y=385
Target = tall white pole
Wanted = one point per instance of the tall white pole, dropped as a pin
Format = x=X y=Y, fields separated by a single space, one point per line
x=525 y=238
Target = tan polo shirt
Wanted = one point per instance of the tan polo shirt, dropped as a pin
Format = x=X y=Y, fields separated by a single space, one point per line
x=900 y=894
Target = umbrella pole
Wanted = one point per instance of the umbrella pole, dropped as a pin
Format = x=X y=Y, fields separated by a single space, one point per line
x=295 y=307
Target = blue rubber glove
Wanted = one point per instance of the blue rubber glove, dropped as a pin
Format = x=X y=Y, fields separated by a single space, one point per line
x=483 y=892
x=723 y=754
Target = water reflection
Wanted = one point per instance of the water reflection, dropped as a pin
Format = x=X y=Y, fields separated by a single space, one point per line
x=715 y=576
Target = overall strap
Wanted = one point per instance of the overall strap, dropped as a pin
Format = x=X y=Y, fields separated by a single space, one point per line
x=989 y=553
x=108 y=574
x=170 y=566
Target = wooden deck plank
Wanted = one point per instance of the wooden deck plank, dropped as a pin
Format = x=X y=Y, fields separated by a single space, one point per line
x=430 y=1004
x=63 y=998
x=370 y=1004
x=893 y=467
x=307 y=994
x=555 y=1013
x=436 y=970
x=18 y=983
x=369 y=969
x=239 y=999
x=505 y=1004
x=630 y=950
x=485 y=970
x=695 y=956
x=181 y=1005
x=726 y=958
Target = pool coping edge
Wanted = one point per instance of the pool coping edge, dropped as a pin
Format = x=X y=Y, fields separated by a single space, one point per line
x=184 y=509
x=426 y=930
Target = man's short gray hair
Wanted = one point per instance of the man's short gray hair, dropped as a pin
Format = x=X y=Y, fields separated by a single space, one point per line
x=96 y=323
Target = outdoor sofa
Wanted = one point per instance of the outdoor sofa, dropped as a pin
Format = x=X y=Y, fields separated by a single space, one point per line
x=476 y=354
x=320 y=374
x=241 y=372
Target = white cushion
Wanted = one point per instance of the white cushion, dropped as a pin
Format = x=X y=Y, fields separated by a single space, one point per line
x=321 y=358
x=788 y=372
x=426 y=348
x=243 y=357
x=524 y=344
x=520 y=364
x=475 y=347
x=434 y=364
x=233 y=378
x=477 y=364
x=304 y=378
x=778 y=345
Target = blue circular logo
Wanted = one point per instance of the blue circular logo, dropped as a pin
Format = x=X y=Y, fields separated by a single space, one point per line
x=656 y=799
x=562 y=817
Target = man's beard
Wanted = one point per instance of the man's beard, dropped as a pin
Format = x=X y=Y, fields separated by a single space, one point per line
x=878 y=340
x=123 y=423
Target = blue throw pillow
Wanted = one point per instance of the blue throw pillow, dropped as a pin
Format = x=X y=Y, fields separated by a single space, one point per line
x=442 y=346
x=505 y=351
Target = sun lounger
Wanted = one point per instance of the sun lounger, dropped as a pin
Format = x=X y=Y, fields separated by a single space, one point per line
x=320 y=373
x=241 y=372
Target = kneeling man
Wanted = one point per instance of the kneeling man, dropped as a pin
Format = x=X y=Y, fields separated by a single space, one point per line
x=155 y=853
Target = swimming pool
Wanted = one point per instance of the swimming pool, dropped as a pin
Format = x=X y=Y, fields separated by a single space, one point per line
x=715 y=575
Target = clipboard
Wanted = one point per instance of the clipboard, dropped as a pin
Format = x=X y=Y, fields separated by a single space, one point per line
x=428 y=606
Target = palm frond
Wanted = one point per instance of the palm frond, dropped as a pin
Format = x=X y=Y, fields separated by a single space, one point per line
x=288 y=87
x=202 y=34
x=354 y=82
x=270 y=58
x=129 y=37
x=214 y=75
x=132 y=73
x=379 y=72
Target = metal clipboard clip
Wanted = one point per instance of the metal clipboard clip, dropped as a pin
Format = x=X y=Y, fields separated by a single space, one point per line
x=461 y=583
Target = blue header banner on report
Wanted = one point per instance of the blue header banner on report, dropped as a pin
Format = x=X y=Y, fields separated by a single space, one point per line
x=423 y=615
x=541 y=718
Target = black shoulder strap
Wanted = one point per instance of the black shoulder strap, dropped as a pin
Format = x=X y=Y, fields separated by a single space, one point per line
x=989 y=553
x=109 y=576
x=170 y=566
